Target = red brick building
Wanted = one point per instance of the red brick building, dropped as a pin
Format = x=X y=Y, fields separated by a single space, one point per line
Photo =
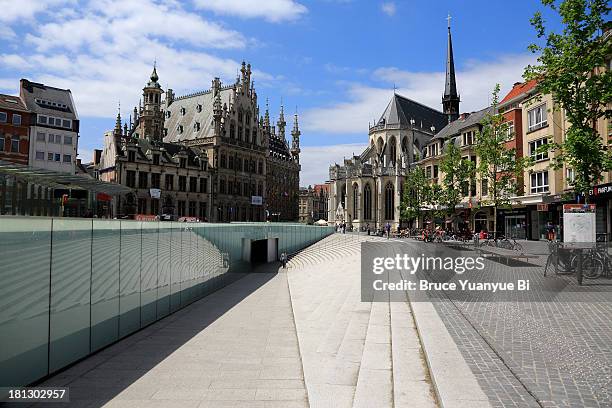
x=14 y=129
x=513 y=113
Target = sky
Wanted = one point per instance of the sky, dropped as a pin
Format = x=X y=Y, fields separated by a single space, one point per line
x=335 y=62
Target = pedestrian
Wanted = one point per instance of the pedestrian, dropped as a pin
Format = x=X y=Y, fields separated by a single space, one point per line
x=283 y=259
x=344 y=227
x=550 y=231
x=388 y=230
x=368 y=228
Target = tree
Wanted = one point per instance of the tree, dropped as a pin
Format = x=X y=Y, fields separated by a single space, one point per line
x=570 y=69
x=497 y=164
x=457 y=172
x=417 y=193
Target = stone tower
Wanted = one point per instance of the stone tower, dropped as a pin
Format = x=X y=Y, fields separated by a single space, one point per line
x=151 y=116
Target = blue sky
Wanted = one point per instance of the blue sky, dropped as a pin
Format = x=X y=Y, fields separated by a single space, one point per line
x=336 y=60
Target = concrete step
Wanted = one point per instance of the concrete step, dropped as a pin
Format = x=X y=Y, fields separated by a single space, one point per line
x=375 y=379
x=411 y=383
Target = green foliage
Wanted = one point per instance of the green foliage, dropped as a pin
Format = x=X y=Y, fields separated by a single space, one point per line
x=497 y=163
x=457 y=172
x=566 y=69
x=417 y=193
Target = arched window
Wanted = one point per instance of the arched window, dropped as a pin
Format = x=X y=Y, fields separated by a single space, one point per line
x=367 y=202
x=389 y=202
x=343 y=197
x=392 y=150
x=355 y=200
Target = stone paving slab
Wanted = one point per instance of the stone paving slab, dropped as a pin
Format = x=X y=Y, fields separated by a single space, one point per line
x=544 y=349
x=236 y=348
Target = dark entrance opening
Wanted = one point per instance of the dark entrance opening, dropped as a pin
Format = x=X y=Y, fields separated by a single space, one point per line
x=259 y=251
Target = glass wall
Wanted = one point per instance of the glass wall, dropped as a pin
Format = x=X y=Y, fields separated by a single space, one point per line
x=73 y=286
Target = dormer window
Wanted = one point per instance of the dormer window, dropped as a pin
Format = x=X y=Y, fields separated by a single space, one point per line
x=167 y=114
x=183 y=111
x=199 y=108
x=196 y=126
x=179 y=129
x=468 y=138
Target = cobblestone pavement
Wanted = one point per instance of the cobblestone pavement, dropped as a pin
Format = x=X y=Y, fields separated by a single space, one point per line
x=544 y=349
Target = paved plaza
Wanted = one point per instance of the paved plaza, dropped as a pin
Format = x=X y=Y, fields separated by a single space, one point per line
x=301 y=336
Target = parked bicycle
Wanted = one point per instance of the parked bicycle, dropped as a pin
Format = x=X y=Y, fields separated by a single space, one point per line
x=502 y=242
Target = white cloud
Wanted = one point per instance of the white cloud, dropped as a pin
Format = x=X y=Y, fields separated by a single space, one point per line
x=270 y=10
x=316 y=160
x=86 y=155
x=389 y=8
x=117 y=26
x=104 y=51
x=363 y=102
x=13 y=10
x=13 y=61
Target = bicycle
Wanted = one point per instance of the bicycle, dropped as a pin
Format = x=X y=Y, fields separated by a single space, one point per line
x=595 y=262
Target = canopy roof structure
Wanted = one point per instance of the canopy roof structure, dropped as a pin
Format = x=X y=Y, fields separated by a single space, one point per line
x=55 y=179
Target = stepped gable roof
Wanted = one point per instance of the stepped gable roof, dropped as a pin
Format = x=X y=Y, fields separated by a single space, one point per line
x=171 y=149
x=455 y=127
x=401 y=109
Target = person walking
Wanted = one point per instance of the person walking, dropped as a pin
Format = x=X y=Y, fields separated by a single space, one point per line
x=368 y=228
x=388 y=230
x=283 y=259
x=550 y=231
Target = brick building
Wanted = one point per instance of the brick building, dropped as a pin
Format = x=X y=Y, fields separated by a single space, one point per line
x=14 y=129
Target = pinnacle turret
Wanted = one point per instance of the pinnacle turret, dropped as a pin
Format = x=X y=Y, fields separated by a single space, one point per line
x=295 y=143
x=281 y=122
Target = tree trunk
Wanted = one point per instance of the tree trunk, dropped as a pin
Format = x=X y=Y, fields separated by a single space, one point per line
x=495 y=221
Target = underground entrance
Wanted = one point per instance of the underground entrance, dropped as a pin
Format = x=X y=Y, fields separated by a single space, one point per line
x=259 y=251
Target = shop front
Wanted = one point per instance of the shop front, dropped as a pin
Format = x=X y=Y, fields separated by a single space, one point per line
x=512 y=223
x=601 y=196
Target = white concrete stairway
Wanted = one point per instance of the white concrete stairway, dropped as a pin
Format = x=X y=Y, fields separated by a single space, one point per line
x=354 y=354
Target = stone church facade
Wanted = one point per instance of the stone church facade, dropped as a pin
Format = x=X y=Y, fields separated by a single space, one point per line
x=366 y=189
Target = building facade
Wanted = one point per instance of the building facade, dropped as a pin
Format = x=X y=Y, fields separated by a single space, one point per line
x=14 y=130
x=206 y=155
x=462 y=132
x=313 y=203
x=54 y=126
x=366 y=190
x=283 y=171
x=168 y=180
x=244 y=152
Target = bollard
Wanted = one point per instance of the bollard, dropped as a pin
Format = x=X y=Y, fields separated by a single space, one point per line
x=579 y=271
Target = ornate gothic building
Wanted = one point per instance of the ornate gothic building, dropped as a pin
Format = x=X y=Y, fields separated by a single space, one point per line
x=254 y=171
x=283 y=176
x=168 y=179
x=208 y=155
x=367 y=188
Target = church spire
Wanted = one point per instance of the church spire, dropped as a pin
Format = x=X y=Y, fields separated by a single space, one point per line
x=450 y=100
